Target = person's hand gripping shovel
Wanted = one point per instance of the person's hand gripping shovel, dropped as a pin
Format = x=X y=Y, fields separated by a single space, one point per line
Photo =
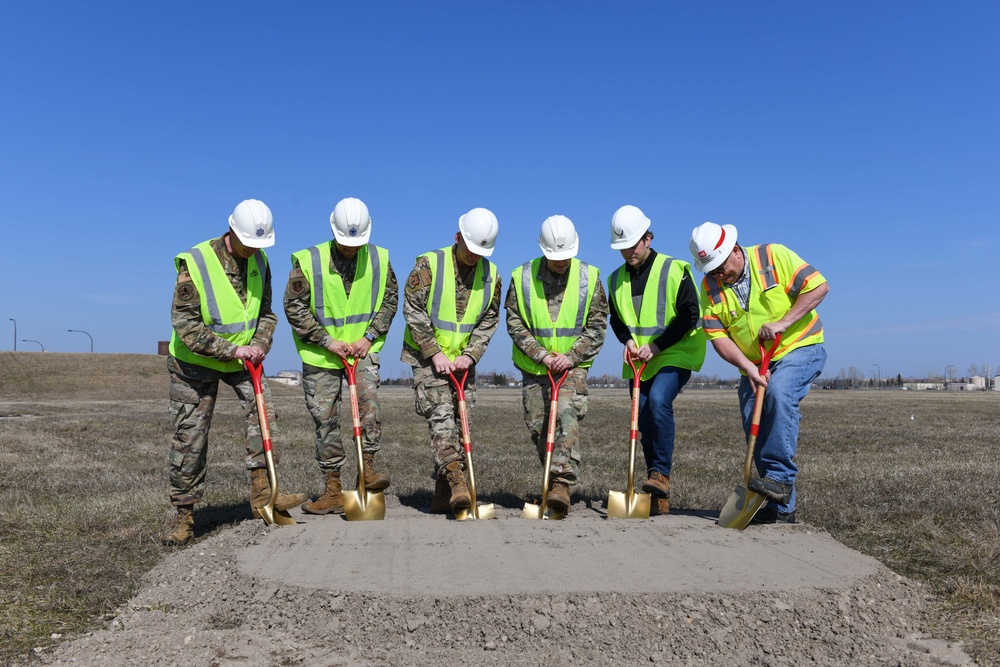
x=743 y=504
x=532 y=511
x=271 y=514
x=631 y=505
x=360 y=505
x=477 y=511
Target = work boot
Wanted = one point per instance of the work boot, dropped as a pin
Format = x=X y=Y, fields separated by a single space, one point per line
x=373 y=481
x=440 y=503
x=182 y=530
x=657 y=484
x=260 y=493
x=659 y=506
x=558 y=499
x=330 y=502
x=460 y=498
x=780 y=493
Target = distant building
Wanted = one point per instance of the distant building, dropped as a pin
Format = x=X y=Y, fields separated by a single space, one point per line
x=978 y=382
x=924 y=386
x=960 y=386
x=290 y=378
x=163 y=348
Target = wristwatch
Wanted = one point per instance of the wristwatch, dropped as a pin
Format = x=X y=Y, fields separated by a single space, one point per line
x=370 y=337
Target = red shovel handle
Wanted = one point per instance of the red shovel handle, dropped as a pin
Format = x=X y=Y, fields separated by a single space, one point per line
x=766 y=356
x=256 y=373
x=459 y=383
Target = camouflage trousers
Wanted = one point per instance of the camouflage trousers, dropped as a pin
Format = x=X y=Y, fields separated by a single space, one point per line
x=193 y=390
x=436 y=400
x=324 y=388
x=536 y=394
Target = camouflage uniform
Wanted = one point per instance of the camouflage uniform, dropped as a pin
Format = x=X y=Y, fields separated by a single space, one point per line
x=193 y=388
x=435 y=400
x=536 y=392
x=323 y=386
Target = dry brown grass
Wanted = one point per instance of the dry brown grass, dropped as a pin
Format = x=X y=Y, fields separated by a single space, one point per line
x=83 y=441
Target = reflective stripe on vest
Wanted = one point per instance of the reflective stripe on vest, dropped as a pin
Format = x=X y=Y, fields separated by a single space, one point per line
x=319 y=296
x=214 y=321
x=559 y=336
x=661 y=271
x=485 y=267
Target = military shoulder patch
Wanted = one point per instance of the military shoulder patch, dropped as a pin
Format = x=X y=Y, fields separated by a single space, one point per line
x=186 y=292
x=297 y=286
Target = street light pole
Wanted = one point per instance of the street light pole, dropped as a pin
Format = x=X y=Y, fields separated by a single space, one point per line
x=88 y=336
x=15 y=332
x=879 y=375
x=28 y=340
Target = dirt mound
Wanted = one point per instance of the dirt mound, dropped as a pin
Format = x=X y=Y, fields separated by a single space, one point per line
x=329 y=592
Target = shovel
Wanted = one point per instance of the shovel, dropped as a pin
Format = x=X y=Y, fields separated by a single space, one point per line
x=743 y=504
x=269 y=512
x=477 y=511
x=532 y=511
x=360 y=505
x=631 y=505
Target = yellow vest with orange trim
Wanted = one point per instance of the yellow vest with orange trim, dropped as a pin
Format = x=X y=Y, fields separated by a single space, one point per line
x=777 y=277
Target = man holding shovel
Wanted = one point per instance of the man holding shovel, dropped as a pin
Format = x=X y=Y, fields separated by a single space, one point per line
x=654 y=313
x=340 y=300
x=451 y=304
x=557 y=315
x=221 y=316
x=750 y=295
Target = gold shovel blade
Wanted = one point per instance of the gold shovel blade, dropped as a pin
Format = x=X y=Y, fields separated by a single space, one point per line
x=741 y=507
x=480 y=512
x=370 y=508
x=620 y=508
x=533 y=511
x=274 y=516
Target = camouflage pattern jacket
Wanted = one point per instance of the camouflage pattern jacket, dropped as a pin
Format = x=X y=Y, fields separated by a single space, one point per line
x=185 y=314
x=415 y=296
x=554 y=288
x=303 y=320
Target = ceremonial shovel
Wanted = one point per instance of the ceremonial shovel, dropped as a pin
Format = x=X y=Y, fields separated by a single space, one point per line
x=269 y=513
x=743 y=504
x=477 y=512
x=631 y=505
x=532 y=511
x=360 y=505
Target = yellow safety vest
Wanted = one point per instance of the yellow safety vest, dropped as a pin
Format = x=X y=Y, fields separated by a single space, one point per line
x=451 y=334
x=345 y=318
x=560 y=335
x=657 y=310
x=222 y=310
x=777 y=277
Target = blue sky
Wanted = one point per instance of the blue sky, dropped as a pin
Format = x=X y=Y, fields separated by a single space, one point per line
x=862 y=135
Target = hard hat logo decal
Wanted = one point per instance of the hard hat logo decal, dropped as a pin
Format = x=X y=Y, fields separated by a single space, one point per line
x=702 y=254
x=621 y=233
x=260 y=232
x=353 y=231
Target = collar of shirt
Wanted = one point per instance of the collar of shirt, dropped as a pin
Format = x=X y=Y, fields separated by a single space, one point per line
x=550 y=277
x=339 y=263
x=233 y=266
x=742 y=285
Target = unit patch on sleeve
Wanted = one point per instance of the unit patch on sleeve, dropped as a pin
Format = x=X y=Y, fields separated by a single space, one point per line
x=186 y=292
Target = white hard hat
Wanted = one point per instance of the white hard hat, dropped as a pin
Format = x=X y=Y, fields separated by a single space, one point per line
x=558 y=238
x=628 y=224
x=350 y=222
x=711 y=245
x=253 y=224
x=479 y=228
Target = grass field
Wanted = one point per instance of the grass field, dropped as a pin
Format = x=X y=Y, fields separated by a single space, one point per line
x=911 y=478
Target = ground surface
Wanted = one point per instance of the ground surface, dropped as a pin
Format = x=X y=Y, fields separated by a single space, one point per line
x=417 y=589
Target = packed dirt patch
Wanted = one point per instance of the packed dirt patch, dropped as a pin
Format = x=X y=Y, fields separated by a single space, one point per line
x=417 y=589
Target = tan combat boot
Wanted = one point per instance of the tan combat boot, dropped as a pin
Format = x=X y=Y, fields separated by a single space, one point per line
x=460 y=498
x=330 y=502
x=659 y=506
x=657 y=485
x=442 y=495
x=558 y=499
x=373 y=481
x=182 y=530
x=260 y=494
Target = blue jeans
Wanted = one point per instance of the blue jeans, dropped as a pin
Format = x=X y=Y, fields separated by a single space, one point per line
x=656 y=416
x=778 y=436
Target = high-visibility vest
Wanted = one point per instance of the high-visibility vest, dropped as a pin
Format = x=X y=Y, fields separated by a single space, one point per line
x=777 y=277
x=345 y=318
x=560 y=335
x=451 y=333
x=657 y=310
x=222 y=310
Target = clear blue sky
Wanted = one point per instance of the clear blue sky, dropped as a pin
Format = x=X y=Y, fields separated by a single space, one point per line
x=862 y=135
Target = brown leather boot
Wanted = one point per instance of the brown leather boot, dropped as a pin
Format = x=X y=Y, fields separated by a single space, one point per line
x=440 y=503
x=374 y=481
x=260 y=493
x=460 y=498
x=657 y=485
x=558 y=498
x=659 y=506
x=330 y=502
x=182 y=530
